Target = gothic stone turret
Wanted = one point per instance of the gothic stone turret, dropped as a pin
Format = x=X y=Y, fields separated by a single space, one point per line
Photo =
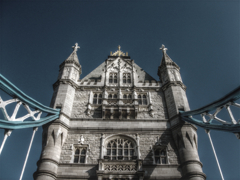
x=184 y=134
x=118 y=122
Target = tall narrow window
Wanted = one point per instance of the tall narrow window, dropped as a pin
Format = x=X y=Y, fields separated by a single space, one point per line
x=139 y=100
x=109 y=96
x=129 y=96
x=160 y=156
x=80 y=155
x=100 y=99
x=110 y=78
x=114 y=96
x=124 y=96
x=115 y=78
x=124 y=78
x=144 y=100
x=95 y=99
x=128 y=78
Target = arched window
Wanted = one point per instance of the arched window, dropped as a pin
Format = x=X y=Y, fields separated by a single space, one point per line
x=124 y=96
x=95 y=99
x=126 y=78
x=120 y=149
x=144 y=100
x=129 y=96
x=109 y=96
x=139 y=99
x=114 y=96
x=80 y=155
x=160 y=156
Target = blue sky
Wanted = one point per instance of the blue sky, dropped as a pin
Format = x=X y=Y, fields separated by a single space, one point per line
x=202 y=37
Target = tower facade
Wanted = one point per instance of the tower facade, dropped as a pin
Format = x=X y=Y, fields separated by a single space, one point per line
x=118 y=122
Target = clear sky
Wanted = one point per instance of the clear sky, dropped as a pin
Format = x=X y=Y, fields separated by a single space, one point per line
x=202 y=37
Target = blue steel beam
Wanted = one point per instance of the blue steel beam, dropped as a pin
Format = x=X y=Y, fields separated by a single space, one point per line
x=226 y=100
x=14 y=92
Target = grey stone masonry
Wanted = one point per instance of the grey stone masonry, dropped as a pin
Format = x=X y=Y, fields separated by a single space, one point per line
x=118 y=122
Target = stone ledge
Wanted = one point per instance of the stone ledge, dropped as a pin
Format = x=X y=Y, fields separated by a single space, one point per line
x=194 y=174
x=44 y=173
x=191 y=162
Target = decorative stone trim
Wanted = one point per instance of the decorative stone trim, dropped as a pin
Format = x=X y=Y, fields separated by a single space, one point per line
x=174 y=83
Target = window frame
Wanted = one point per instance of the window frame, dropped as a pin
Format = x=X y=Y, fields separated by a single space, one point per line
x=80 y=155
x=161 y=158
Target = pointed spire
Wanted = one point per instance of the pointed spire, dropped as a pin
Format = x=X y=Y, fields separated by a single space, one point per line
x=165 y=58
x=73 y=56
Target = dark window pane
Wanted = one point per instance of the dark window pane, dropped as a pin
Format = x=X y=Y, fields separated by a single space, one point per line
x=76 y=159
x=129 y=96
x=110 y=96
x=125 y=152
x=163 y=152
x=109 y=145
x=164 y=161
x=131 y=145
x=115 y=96
x=99 y=101
x=131 y=152
x=77 y=151
x=124 y=96
x=100 y=96
x=110 y=80
x=83 y=151
x=82 y=159
x=124 y=81
x=139 y=101
x=129 y=80
x=119 y=152
x=94 y=101
x=114 y=152
x=156 y=153
x=157 y=160
x=145 y=101
x=126 y=145
x=109 y=152
x=114 y=145
x=95 y=95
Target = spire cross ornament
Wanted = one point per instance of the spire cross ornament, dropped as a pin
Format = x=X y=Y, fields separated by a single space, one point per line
x=76 y=47
x=119 y=47
x=163 y=48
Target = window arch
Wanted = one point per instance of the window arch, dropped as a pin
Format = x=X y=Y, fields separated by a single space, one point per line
x=109 y=96
x=113 y=78
x=97 y=99
x=80 y=155
x=142 y=99
x=139 y=99
x=160 y=156
x=120 y=148
x=114 y=96
x=127 y=78
x=124 y=96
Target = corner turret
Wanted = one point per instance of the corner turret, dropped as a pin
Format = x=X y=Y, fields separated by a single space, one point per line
x=71 y=68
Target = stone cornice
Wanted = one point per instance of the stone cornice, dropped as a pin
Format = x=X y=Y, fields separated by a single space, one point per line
x=173 y=83
x=191 y=162
x=121 y=120
x=69 y=62
x=47 y=160
x=45 y=173
x=59 y=122
x=107 y=129
x=195 y=174
x=65 y=81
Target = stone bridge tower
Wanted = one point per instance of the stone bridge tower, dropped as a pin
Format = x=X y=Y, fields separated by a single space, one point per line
x=119 y=123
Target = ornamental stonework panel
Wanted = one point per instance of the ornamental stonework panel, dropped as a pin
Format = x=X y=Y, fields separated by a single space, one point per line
x=80 y=103
x=120 y=167
x=159 y=107
x=93 y=152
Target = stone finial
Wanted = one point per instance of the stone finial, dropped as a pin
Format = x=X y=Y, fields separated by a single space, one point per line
x=75 y=47
x=118 y=52
x=163 y=48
